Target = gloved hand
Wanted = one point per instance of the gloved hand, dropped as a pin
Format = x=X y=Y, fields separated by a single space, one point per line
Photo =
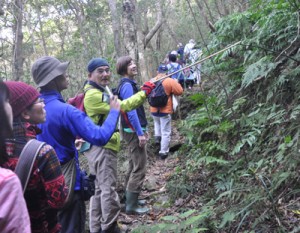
x=148 y=87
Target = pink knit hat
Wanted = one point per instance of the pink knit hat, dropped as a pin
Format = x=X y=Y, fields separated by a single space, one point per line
x=21 y=96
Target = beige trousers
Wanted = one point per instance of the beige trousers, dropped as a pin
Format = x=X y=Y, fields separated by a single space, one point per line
x=137 y=161
x=105 y=204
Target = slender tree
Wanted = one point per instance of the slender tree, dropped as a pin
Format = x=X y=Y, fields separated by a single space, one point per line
x=18 y=40
x=115 y=19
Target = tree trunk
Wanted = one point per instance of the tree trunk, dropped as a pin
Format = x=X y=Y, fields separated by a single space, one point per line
x=172 y=33
x=18 y=59
x=209 y=11
x=115 y=19
x=155 y=28
x=208 y=23
x=129 y=29
x=80 y=17
x=42 y=31
x=1 y=7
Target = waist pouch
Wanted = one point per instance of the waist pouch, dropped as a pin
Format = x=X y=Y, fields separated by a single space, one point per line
x=87 y=185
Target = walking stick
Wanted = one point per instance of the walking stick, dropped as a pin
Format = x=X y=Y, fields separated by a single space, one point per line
x=197 y=62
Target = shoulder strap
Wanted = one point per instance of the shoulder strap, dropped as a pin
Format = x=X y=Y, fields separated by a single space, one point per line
x=122 y=81
x=88 y=88
x=172 y=67
x=26 y=161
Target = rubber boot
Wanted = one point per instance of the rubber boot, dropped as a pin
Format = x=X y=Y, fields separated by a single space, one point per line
x=141 y=202
x=132 y=206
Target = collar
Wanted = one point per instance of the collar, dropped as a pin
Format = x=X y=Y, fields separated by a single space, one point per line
x=49 y=95
x=125 y=79
x=93 y=84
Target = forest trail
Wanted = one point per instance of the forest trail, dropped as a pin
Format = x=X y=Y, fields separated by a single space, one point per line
x=154 y=191
x=158 y=199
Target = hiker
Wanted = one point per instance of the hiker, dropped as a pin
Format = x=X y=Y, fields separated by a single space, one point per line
x=134 y=128
x=180 y=51
x=63 y=124
x=46 y=191
x=189 y=78
x=187 y=49
x=162 y=116
x=174 y=66
x=13 y=210
x=105 y=204
x=195 y=55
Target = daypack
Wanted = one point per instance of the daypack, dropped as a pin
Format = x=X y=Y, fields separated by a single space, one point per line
x=158 y=97
x=78 y=100
x=179 y=76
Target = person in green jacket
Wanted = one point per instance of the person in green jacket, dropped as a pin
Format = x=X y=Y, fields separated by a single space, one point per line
x=105 y=204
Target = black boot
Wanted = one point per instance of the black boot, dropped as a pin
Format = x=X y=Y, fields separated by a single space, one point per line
x=157 y=140
x=163 y=155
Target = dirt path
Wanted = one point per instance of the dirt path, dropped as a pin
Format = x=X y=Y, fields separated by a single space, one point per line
x=155 y=192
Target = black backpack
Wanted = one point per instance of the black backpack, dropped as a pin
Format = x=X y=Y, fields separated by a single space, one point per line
x=158 y=97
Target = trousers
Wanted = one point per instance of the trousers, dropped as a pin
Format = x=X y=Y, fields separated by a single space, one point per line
x=137 y=161
x=162 y=128
x=105 y=204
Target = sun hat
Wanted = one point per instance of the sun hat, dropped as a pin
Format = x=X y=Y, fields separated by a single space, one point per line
x=47 y=68
x=21 y=96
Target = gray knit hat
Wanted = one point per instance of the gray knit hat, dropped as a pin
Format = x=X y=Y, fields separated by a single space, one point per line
x=45 y=69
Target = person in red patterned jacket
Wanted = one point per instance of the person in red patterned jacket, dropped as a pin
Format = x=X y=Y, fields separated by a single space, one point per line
x=46 y=191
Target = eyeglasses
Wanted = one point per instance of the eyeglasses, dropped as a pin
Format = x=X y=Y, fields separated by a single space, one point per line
x=39 y=100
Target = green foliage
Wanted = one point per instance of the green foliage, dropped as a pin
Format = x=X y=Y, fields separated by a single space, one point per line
x=259 y=69
x=243 y=140
x=189 y=221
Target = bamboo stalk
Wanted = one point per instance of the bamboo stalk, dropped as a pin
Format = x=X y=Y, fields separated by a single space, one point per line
x=197 y=62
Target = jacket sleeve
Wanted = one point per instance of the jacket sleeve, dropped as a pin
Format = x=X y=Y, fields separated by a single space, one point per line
x=81 y=125
x=133 y=102
x=126 y=92
x=13 y=210
x=54 y=181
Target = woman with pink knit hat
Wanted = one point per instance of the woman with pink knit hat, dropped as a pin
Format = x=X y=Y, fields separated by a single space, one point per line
x=13 y=210
x=46 y=190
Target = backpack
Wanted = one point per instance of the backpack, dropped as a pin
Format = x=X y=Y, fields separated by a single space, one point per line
x=158 y=97
x=78 y=100
x=179 y=76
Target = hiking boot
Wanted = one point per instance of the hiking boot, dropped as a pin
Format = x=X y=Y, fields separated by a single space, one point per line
x=157 y=140
x=163 y=155
x=114 y=228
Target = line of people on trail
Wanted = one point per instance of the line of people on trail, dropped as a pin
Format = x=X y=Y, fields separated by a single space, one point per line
x=181 y=58
x=54 y=195
x=59 y=124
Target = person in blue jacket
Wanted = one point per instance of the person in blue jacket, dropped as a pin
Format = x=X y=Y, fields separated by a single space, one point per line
x=63 y=124
x=134 y=126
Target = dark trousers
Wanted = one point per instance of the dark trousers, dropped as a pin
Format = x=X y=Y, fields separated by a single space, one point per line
x=72 y=219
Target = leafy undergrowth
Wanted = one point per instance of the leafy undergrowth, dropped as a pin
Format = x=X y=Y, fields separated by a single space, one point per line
x=238 y=169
